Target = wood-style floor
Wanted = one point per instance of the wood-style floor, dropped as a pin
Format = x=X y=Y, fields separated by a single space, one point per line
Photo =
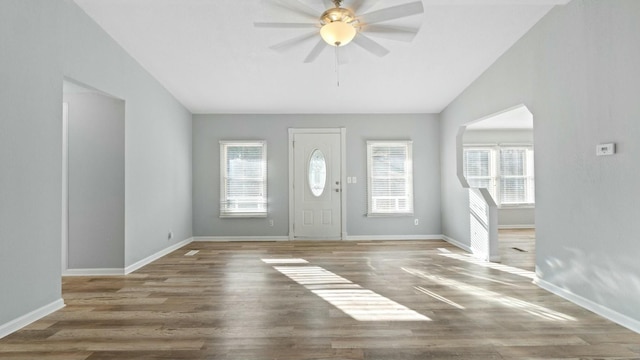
x=349 y=300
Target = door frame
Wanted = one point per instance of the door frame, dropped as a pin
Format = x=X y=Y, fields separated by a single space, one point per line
x=343 y=176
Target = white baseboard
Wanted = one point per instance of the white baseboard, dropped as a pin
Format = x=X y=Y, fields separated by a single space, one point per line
x=520 y=226
x=24 y=320
x=605 y=312
x=129 y=269
x=93 y=272
x=239 y=238
x=456 y=243
x=286 y=238
x=392 y=237
x=149 y=259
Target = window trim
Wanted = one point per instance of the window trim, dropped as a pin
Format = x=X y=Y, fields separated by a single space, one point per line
x=226 y=214
x=528 y=178
x=495 y=163
x=493 y=166
x=408 y=144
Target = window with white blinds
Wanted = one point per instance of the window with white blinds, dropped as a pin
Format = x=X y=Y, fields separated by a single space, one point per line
x=516 y=175
x=479 y=168
x=506 y=171
x=389 y=178
x=243 y=179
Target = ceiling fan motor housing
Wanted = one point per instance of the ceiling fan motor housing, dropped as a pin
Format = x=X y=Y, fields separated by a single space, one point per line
x=337 y=14
x=337 y=28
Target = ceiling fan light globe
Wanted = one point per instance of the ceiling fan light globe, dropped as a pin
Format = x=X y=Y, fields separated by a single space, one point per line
x=338 y=33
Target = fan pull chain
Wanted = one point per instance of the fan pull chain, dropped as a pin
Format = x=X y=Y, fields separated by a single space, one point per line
x=337 y=67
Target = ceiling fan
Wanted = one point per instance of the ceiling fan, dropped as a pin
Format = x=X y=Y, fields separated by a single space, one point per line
x=338 y=25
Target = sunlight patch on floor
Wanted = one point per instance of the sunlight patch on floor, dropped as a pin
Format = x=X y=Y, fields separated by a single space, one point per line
x=494 y=297
x=285 y=261
x=509 y=269
x=355 y=301
x=438 y=297
x=311 y=275
x=469 y=274
x=366 y=305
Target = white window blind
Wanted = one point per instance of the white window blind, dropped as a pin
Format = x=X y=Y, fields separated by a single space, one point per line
x=506 y=171
x=516 y=175
x=479 y=168
x=390 y=178
x=243 y=183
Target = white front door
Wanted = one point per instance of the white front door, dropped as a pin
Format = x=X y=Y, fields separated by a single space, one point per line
x=317 y=185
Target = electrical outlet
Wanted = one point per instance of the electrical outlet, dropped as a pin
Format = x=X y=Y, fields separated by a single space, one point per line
x=415 y=222
x=270 y=222
x=354 y=180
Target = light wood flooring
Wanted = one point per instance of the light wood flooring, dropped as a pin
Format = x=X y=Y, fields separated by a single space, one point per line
x=350 y=300
x=518 y=248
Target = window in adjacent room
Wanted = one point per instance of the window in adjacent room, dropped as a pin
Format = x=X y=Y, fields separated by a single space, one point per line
x=389 y=178
x=243 y=179
x=506 y=171
x=480 y=169
x=516 y=176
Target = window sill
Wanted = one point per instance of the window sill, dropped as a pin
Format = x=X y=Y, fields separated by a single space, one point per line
x=376 y=215
x=244 y=216
x=516 y=206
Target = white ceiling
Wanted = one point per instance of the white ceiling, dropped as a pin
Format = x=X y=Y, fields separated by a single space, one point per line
x=209 y=55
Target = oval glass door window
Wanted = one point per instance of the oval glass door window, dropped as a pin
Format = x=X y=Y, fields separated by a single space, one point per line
x=317 y=172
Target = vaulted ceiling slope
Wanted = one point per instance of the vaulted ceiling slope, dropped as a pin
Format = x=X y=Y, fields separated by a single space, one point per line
x=210 y=56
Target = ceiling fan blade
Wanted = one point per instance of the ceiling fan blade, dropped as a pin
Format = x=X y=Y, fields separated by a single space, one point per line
x=399 y=33
x=288 y=44
x=328 y=4
x=391 y=13
x=298 y=8
x=357 y=5
x=283 y=25
x=316 y=51
x=370 y=45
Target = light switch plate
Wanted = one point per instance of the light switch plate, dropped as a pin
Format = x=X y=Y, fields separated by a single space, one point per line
x=605 y=149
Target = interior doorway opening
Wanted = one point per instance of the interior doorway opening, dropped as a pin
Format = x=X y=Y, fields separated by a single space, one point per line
x=93 y=182
x=496 y=153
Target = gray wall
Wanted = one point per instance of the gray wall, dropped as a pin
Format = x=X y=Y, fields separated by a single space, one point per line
x=42 y=42
x=210 y=129
x=96 y=181
x=30 y=156
x=508 y=217
x=516 y=218
x=577 y=72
